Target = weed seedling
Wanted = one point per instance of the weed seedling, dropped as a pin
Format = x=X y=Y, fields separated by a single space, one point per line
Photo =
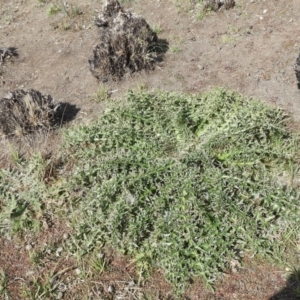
x=175 y=49
x=157 y=28
x=3 y=284
x=98 y=263
x=53 y=10
x=102 y=94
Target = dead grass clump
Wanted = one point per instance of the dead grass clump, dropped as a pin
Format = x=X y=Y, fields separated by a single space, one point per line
x=215 y=5
x=126 y=43
x=297 y=70
x=23 y=112
x=7 y=53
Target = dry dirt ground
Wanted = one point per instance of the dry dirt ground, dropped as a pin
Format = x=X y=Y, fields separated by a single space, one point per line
x=251 y=49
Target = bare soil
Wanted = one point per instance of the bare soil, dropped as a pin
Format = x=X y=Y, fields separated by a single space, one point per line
x=251 y=49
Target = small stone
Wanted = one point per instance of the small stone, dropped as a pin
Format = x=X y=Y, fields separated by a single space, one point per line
x=29 y=273
x=101 y=255
x=28 y=247
x=77 y=271
x=65 y=236
x=62 y=287
x=58 y=251
x=111 y=289
x=131 y=283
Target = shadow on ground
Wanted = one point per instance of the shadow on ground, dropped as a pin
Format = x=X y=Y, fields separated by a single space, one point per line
x=67 y=112
x=292 y=289
x=161 y=47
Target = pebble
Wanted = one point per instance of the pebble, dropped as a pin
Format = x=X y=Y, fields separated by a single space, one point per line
x=101 y=255
x=65 y=236
x=58 y=251
x=28 y=247
x=77 y=271
x=111 y=289
x=29 y=273
x=62 y=287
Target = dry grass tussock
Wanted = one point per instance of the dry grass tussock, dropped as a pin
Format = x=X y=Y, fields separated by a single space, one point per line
x=215 y=5
x=23 y=112
x=7 y=53
x=297 y=70
x=126 y=45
